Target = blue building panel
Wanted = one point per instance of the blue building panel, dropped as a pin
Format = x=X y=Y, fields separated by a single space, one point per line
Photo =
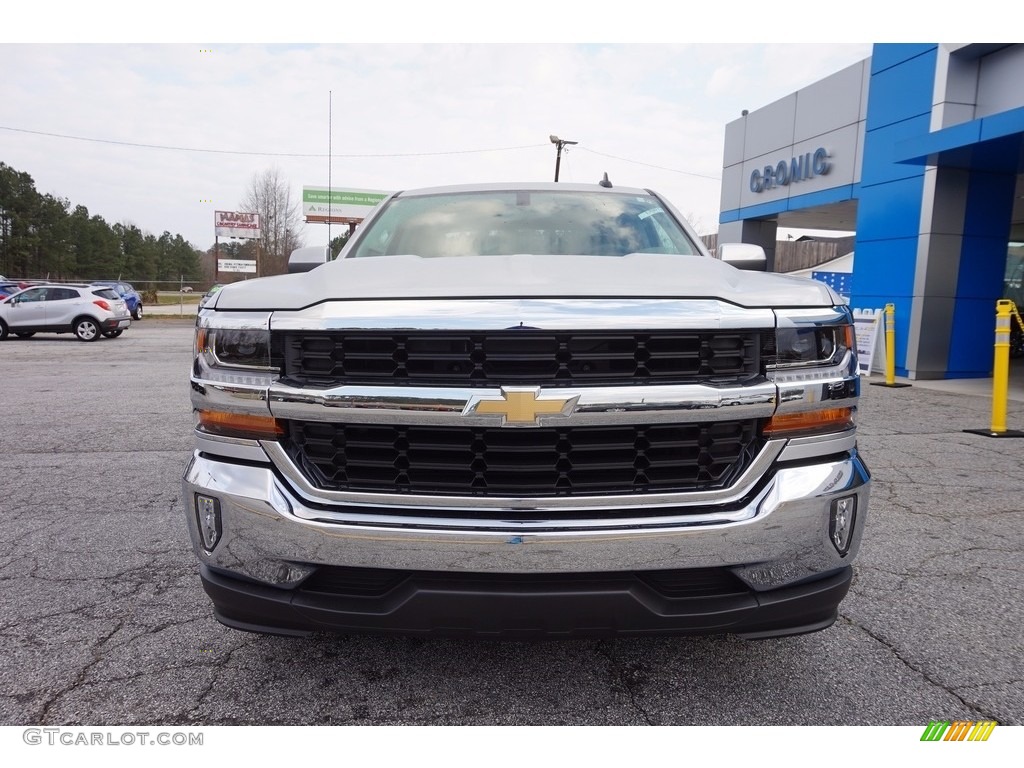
x=918 y=149
x=886 y=55
x=973 y=339
x=903 y=91
x=890 y=210
x=1002 y=124
x=990 y=207
x=810 y=200
x=883 y=158
x=765 y=209
x=1002 y=155
x=824 y=197
x=989 y=143
x=884 y=272
x=986 y=230
x=982 y=266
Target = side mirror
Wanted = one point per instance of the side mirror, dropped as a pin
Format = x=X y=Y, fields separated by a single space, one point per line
x=743 y=256
x=305 y=259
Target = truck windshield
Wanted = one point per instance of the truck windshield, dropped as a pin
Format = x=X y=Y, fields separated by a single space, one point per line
x=496 y=223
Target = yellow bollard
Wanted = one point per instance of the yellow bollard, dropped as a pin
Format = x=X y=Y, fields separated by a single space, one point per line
x=890 y=344
x=1005 y=309
x=890 y=349
x=1001 y=366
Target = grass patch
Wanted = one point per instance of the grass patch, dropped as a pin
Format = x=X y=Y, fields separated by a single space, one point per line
x=184 y=298
x=170 y=319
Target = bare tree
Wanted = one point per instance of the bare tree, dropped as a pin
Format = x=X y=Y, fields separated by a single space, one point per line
x=697 y=222
x=270 y=196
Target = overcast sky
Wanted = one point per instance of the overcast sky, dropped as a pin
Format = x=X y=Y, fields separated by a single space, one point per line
x=405 y=114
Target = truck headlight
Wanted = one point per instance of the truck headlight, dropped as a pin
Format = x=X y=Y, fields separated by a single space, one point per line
x=236 y=360
x=800 y=346
x=812 y=359
x=237 y=349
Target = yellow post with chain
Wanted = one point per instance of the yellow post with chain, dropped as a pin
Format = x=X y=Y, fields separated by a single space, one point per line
x=1006 y=311
x=1001 y=366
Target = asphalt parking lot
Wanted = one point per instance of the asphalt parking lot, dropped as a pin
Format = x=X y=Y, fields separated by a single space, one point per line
x=103 y=619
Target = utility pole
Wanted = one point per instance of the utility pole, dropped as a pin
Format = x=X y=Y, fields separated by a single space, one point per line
x=558 y=155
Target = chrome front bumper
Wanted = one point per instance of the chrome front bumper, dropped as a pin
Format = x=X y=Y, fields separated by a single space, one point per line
x=776 y=535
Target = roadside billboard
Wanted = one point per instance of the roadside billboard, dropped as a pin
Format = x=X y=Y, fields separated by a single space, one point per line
x=340 y=206
x=236 y=265
x=234 y=224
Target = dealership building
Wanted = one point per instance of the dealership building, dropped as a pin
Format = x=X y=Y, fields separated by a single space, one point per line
x=919 y=151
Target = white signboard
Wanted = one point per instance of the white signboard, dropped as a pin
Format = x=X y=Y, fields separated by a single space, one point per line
x=341 y=205
x=236 y=265
x=868 y=328
x=235 y=224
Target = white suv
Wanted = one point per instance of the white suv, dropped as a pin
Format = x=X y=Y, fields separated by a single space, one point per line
x=86 y=311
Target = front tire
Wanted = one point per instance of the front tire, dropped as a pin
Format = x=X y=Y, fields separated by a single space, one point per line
x=137 y=312
x=87 y=329
x=24 y=334
x=3 y=330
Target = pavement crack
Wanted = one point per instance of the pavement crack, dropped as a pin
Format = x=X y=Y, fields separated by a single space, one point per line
x=916 y=669
x=97 y=657
x=78 y=609
x=621 y=677
x=1015 y=681
x=218 y=665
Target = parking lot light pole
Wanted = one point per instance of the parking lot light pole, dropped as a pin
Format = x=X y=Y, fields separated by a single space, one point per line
x=558 y=155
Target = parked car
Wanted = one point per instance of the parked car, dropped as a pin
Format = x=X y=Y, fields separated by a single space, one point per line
x=125 y=290
x=8 y=289
x=88 y=311
x=209 y=295
x=186 y=289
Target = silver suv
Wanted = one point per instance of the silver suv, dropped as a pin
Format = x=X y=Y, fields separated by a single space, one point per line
x=86 y=311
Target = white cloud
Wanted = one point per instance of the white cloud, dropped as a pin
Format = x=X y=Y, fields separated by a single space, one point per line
x=722 y=79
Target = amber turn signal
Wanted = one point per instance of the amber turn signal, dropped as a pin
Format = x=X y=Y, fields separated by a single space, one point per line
x=240 y=425
x=827 y=420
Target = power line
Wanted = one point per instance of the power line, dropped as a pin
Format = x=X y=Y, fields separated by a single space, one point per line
x=263 y=154
x=649 y=165
x=328 y=155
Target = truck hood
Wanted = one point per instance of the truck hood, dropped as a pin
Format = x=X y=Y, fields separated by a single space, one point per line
x=638 y=275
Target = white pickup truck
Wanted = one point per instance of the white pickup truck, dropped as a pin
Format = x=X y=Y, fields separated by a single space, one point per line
x=526 y=409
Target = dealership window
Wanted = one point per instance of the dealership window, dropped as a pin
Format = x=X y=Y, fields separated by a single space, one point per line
x=1013 y=280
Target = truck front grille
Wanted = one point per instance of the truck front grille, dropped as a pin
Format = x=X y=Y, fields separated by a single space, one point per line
x=520 y=356
x=478 y=461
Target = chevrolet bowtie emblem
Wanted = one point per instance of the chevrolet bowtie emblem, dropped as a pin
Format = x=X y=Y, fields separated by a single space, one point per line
x=521 y=407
